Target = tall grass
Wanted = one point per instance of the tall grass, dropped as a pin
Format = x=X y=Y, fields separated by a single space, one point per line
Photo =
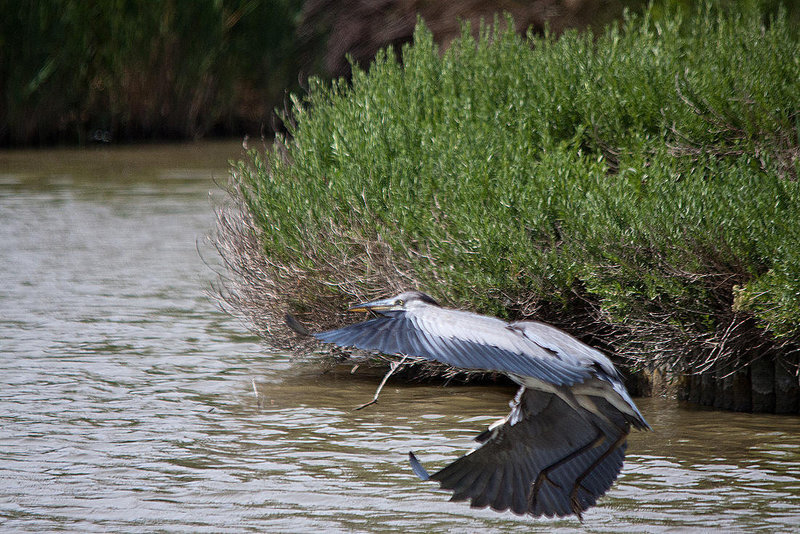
x=638 y=186
x=141 y=69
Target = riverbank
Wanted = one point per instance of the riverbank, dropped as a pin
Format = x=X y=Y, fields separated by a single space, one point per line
x=637 y=188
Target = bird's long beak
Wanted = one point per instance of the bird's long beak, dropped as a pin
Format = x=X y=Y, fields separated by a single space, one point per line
x=375 y=305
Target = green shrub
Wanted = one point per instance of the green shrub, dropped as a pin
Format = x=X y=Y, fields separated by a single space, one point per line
x=640 y=184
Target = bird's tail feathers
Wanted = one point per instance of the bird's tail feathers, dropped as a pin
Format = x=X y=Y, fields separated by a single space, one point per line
x=295 y=325
x=636 y=419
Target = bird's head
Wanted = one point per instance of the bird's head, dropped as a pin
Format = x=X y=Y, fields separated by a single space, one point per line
x=397 y=303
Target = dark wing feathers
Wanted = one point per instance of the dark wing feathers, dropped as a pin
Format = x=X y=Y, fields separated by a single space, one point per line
x=519 y=503
x=502 y=472
x=499 y=498
x=460 y=339
x=485 y=497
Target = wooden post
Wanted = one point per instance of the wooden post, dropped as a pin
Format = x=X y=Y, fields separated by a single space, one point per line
x=707 y=388
x=787 y=389
x=762 y=383
x=695 y=385
x=741 y=399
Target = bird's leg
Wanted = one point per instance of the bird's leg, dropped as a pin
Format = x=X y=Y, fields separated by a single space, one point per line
x=392 y=368
x=543 y=474
x=573 y=495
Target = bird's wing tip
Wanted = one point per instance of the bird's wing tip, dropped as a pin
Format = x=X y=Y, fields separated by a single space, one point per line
x=416 y=466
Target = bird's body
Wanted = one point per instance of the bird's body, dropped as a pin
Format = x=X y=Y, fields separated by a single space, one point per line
x=562 y=445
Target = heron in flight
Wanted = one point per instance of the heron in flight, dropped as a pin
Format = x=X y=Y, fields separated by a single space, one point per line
x=562 y=445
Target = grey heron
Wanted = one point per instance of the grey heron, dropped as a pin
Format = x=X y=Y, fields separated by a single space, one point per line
x=562 y=445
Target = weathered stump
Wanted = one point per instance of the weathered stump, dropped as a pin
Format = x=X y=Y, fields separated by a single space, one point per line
x=741 y=391
x=762 y=383
x=695 y=385
x=707 y=389
x=766 y=385
x=787 y=388
x=723 y=387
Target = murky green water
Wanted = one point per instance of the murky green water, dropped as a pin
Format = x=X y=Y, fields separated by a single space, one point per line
x=127 y=400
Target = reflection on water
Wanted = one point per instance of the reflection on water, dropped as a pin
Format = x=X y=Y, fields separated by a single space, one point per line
x=127 y=399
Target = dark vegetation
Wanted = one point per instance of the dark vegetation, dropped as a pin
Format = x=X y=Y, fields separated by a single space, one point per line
x=637 y=187
x=75 y=72
x=72 y=71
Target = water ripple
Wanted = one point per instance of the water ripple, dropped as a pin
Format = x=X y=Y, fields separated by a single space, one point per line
x=127 y=400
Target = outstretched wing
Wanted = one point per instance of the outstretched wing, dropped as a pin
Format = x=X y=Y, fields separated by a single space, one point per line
x=547 y=459
x=461 y=339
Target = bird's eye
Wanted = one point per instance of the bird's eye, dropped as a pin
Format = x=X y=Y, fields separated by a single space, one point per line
x=398 y=302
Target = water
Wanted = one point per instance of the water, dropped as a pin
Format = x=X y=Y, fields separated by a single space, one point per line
x=130 y=403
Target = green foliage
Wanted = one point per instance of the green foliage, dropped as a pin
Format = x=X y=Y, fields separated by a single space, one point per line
x=652 y=169
x=139 y=68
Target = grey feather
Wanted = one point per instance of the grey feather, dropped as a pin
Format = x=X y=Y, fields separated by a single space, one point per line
x=563 y=443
